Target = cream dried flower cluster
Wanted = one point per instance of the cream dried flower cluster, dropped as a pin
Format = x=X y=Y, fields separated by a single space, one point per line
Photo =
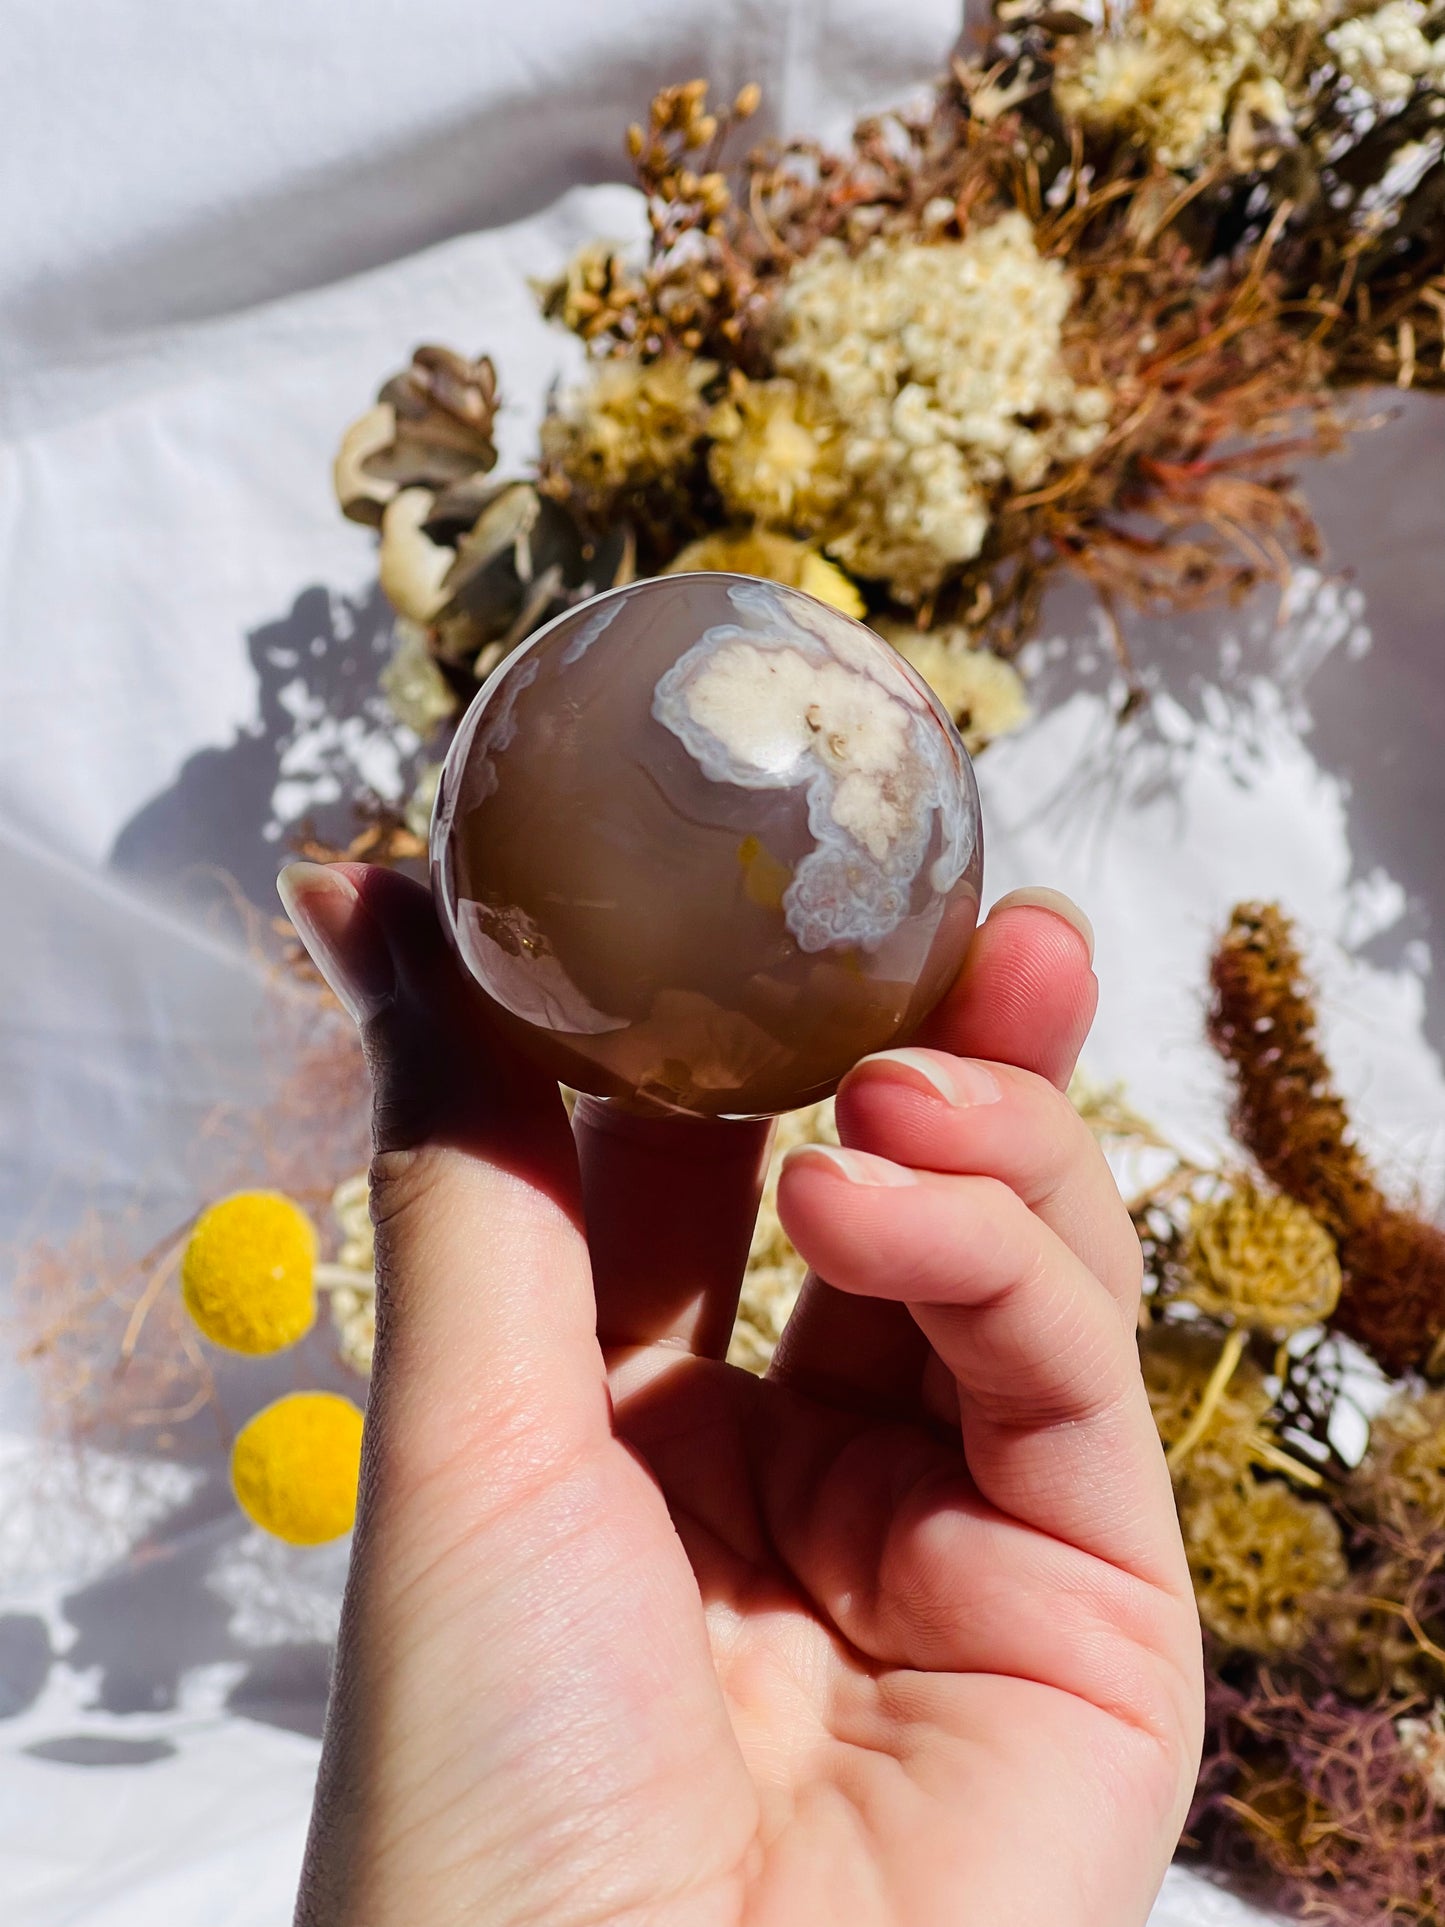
x=914 y=385
x=353 y=1306
x=1385 y=52
x=1175 y=71
x=1180 y=75
x=775 y=1271
x=939 y=369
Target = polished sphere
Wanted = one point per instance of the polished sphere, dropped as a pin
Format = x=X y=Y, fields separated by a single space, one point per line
x=706 y=842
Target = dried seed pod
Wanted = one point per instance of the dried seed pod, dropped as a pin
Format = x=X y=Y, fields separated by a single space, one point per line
x=523 y=560
x=1289 y=1114
x=412 y=567
x=431 y=427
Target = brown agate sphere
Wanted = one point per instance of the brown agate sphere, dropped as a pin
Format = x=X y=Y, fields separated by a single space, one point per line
x=706 y=842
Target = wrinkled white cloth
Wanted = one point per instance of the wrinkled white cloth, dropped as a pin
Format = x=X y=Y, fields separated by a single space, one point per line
x=222 y=228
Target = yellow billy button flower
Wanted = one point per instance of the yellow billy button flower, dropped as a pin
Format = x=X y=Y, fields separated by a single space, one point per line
x=248 y=1273
x=295 y=1466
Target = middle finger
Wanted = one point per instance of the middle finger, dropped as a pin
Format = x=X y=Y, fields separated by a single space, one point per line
x=936 y=1112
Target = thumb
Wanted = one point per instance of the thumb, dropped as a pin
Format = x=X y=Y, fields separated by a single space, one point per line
x=487 y=1368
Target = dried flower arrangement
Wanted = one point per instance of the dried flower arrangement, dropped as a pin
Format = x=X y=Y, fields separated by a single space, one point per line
x=1320 y=1575
x=1083 y=310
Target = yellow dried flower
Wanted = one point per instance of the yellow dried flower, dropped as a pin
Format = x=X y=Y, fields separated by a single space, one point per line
x=596 y=284
x=1174 y=72
x=1173 y=94
x=778 y=559
x=634 y=424
x=1260 y=1259
x=1402 y=1475
x=1178 y=74
x=774 y=456
x=419 y=694
x=1178 y=1361
x=1264 y=1562
x=984 y=694
x=775 y=1271
x=248 y=1273
x=295 y=1467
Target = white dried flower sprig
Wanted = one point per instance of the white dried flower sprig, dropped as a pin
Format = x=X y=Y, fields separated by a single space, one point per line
x=1182 y=75
x=1386 y=52
x=775 y=1271
x=352 y=1290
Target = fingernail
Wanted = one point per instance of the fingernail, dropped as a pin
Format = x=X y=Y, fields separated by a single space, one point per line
x=1056 y=903
x=859 y=1167
x=957 y=1080
x=340 y=936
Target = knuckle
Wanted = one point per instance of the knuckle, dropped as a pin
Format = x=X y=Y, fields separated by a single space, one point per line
x=403 y=1185
x=1056 y=1118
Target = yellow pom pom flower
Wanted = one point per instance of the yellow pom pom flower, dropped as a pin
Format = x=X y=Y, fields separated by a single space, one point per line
x=295 y=1466
x=248 y=1273
x=1261 y=1259
x=1264 y=1562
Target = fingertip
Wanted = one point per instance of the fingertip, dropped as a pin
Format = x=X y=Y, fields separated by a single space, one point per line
x=1026 y=995
x=340 y=935
x=1055 y=904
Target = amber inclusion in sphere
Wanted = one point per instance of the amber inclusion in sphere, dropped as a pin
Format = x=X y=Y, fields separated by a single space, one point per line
x=706 y=842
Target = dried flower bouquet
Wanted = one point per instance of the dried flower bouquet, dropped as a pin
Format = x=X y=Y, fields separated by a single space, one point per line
x=1084 y=310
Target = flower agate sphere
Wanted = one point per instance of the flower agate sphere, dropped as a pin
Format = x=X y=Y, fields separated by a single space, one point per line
x=705 y=842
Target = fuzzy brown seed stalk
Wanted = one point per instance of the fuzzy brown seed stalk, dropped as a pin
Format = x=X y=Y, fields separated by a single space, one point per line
x=1290 y=1115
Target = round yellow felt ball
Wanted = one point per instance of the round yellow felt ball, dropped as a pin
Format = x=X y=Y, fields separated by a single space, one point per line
x=248 y=1273
x=295 y=1465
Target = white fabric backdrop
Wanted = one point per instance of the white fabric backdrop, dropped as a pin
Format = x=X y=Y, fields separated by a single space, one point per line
x=222 y=227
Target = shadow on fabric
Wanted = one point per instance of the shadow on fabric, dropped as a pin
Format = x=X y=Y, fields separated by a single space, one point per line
x=322 y=736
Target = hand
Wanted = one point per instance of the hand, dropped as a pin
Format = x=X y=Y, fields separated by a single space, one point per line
x=902 y=1633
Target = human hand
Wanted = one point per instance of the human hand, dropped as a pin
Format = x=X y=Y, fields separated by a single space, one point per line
x=902 y=1633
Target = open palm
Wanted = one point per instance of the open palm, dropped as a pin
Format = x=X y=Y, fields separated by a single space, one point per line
x=900 y=1634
